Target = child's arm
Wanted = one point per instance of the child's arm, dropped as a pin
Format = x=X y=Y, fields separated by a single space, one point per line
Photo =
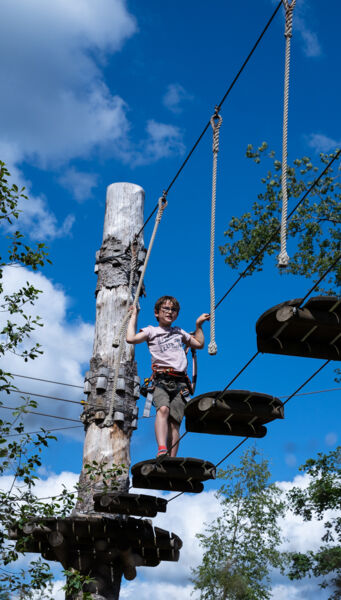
x=133 y=337
x=198 y=340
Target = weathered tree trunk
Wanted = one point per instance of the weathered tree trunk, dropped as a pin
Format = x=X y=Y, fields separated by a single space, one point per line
x=110 y=444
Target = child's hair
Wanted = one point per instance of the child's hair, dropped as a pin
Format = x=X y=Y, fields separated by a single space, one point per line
x=163 y=299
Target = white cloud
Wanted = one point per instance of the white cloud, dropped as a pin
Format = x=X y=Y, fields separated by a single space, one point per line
x=36 y=218
x=298 y=591
x=175 y=96
x=55 y=105
x=40 y=221
x=81 y=184
x=322 y=143
x=300 y=535
x=67 y=350
x=162 y=140
x=48 y=486
x=331 y=438
x=54 y=102
x=311 y=45
x=143 y=591
x=186 y=516
x=290 y=460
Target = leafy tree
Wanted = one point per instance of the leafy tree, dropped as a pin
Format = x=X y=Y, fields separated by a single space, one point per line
x=18 y=325
x=240 y=546
x=322 y=494
x=314 y=227
x=20 y=452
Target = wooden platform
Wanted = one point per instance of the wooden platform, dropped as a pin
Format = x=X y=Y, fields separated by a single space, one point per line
x=172 y=474
x=92 y=541
x=312 y=331
x=232 y=412
x=139 y=505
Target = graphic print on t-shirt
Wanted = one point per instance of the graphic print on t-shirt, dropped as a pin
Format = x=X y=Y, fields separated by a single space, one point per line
x=171 y=341
x=165 y=346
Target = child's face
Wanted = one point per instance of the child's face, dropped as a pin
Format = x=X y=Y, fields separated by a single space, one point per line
x=167 y=314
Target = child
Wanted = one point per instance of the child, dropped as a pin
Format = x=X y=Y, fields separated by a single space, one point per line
x=169 y=364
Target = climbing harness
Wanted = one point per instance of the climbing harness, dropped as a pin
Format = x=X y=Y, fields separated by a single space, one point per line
x=148 y=387
x=162 y=203
x=216 y=121
x=283 y=258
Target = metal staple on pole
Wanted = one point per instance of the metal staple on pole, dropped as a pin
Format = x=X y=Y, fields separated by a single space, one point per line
x=216 y=121
x=283 y=258
x=162 y=203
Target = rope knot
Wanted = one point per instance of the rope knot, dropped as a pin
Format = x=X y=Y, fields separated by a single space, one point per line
x=289 y=9
x=283 y=260
x=216 y=121
x=212 y=348
x=162 y=202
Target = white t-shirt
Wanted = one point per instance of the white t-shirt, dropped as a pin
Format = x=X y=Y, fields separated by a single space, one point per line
x=165 y=346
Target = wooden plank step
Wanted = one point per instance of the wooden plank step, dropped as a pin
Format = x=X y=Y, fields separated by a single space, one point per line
x=140 y=505
x=232 y=412
x=312 y=330
x=181 y=474
x=96 y=540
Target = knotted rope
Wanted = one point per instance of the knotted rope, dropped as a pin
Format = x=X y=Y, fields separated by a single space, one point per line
x=216 y=121
x=162 y=203
x=283 y=258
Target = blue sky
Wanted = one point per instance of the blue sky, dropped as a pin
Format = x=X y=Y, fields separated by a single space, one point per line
x=95 y=93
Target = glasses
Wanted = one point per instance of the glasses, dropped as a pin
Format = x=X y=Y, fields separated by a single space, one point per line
x=167 y=309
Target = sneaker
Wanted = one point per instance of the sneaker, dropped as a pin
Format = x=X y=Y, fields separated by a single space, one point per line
x=161 y=451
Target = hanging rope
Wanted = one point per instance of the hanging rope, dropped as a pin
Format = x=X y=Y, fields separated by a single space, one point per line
x=216 y=121
x=133 y=265
x=283 y=258
x=108 y=421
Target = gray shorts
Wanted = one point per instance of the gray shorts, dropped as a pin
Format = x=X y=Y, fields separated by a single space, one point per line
x=168 y=393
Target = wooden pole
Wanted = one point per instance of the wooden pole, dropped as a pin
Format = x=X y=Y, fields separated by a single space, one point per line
x=110 y=445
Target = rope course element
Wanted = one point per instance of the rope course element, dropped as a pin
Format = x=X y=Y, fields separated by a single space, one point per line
x=275 y=233
x=48 y=381
x=121 y=335
x=45 y=430
x=50 y=397
x=246 y=438
x=256 y=354
x=283 y=258
x=33 y=412
x=162 y=203
x=133 y=264
x=216 y=121
x=229 y=89
x=336 y=389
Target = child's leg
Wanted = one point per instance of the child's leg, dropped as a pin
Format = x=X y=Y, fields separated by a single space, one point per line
x=161 y=425
x=173 y=437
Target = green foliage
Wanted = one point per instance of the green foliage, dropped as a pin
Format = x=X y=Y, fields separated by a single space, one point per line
x=314 y=233
x=18 y=325
x=76 y=583
x=106 y=475
x=322 y=494
x=33 y=584
x=20 y=453
x=241 y=545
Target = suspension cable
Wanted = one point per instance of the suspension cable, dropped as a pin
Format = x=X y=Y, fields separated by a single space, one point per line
x=47 y=380
x=270 y=239
x=229 y=89
x=49 y=397
x=32 y=412
x=247 y=437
